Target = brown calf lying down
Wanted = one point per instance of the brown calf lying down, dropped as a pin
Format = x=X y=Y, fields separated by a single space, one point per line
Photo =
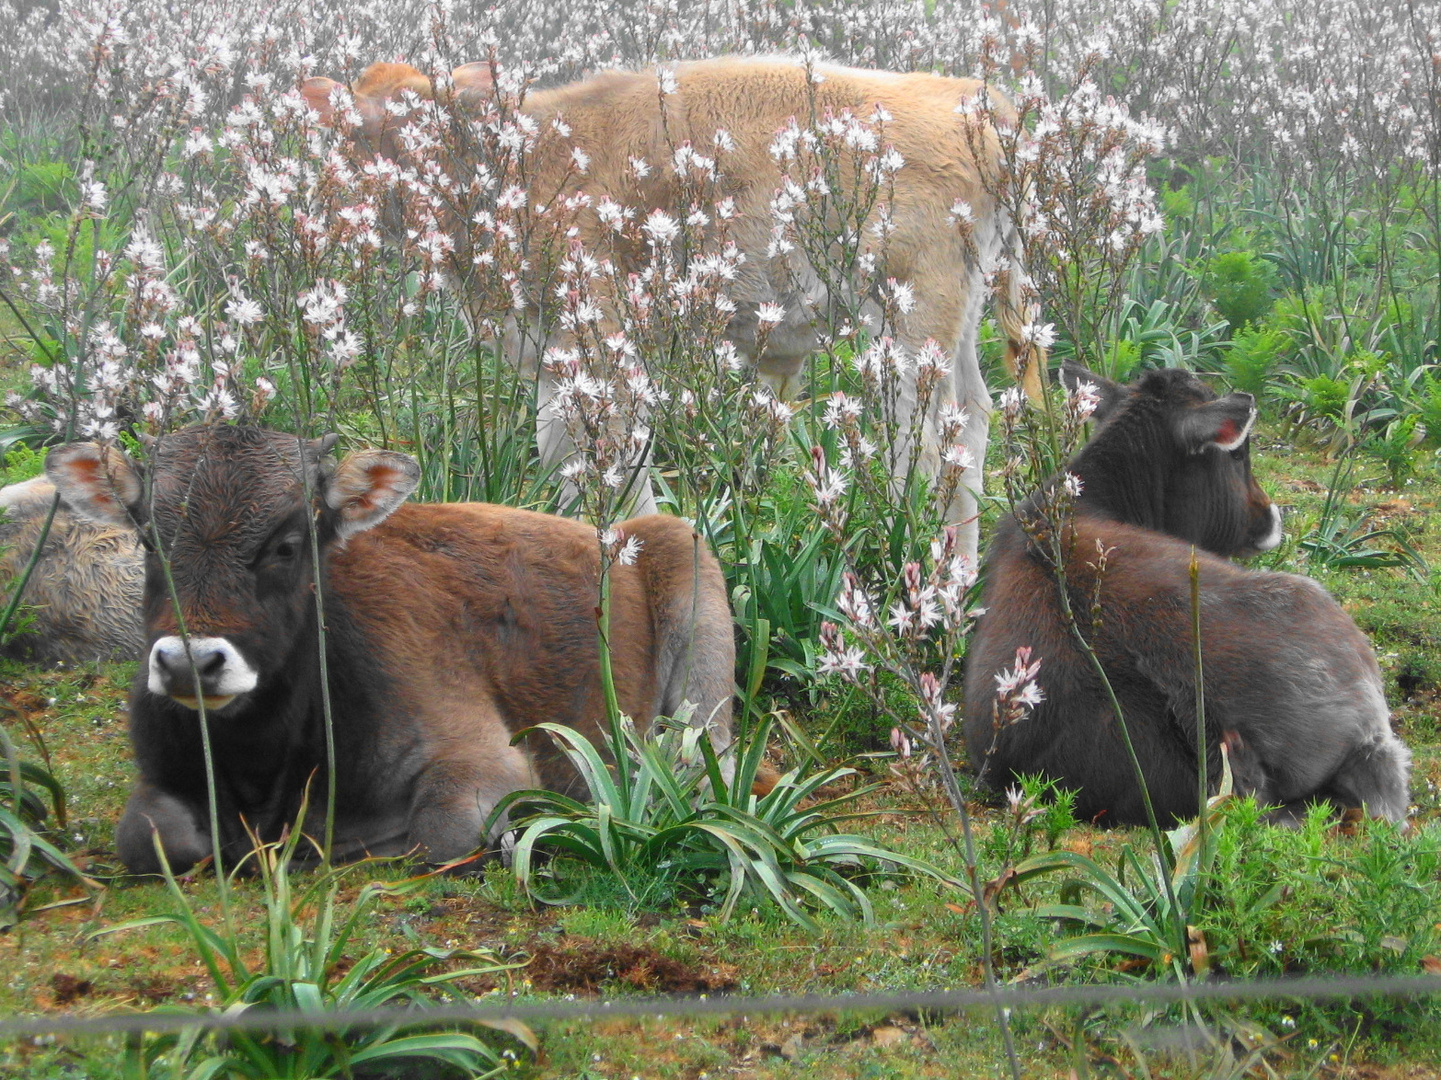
x=448 y=629
x=1291 y=685
x=620 y=117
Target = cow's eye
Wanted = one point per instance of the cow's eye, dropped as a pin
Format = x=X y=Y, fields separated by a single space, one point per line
x=286 y=550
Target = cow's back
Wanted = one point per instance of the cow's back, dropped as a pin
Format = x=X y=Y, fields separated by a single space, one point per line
x=1283 y=665
x=509 y=599
x=618 y=119
x=513 y=593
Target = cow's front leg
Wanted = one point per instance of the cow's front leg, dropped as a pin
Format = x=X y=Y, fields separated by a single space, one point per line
x=151 y=812
x=454 y=799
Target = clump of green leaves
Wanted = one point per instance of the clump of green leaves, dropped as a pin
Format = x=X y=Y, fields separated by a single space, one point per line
x=1253 y=900
x=1252 y=357
x=1123 y=356
x=1363 y=897
x=39 y=186
x=1342 y=540
x=1037 y=808
x=1426 y=400
x=1395 y=446
x=304 y=968
x=667 y=809
x=1319 y=398
x=1141 y=914
x=30 y=799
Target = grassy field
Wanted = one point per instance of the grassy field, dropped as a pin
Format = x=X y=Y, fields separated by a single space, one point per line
x=925 y=937
x=1250 y=193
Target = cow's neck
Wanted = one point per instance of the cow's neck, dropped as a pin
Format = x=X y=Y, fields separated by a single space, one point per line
x=1136 y=496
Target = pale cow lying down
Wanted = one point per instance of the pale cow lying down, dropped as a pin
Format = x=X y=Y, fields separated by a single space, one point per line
x=82 y=601
x=951 y=168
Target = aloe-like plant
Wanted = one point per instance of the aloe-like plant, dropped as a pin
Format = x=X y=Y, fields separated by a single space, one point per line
x=1342 y=541
x=1139 y=916
x=305 y=969
x=669 y=806
x=30 y=797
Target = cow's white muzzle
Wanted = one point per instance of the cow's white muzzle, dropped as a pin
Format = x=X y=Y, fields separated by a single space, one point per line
x=222 y=672
x=1272 y=539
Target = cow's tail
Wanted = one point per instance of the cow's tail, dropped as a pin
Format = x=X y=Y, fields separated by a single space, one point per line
x=1025 y=357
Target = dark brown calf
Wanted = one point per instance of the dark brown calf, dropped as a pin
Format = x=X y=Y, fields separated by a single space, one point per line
x=449 y=628
x=1289 y=679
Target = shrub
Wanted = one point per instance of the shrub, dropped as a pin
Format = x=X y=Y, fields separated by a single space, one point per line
x=1240 y=284
x=1427 y=402
x=1319 y=397
x=1252 y=357
x=1395 y=446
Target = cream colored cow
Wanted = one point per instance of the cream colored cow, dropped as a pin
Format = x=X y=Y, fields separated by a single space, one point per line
x=620 y=117
x=83 y=598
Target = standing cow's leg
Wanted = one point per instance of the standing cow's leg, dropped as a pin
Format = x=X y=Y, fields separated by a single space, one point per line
x=947 y=320
x=951 y=289
x=149 y=813
x=969 y=387
x=552 y=439
x=694 y=642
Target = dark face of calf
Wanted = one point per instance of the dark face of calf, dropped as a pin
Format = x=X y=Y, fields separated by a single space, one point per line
x=231 y=508
x=1170 y=455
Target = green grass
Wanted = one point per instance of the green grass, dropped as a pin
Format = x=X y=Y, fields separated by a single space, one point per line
x=14 y=358
x=924 y=938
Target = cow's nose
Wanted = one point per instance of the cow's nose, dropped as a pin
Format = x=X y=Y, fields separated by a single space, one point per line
x=221 y=670
x=1275 y=531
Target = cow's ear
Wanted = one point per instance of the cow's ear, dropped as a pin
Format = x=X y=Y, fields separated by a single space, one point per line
x=99 y=482
x=1224 y=423
x=316 y=92
x=28 y=496
x=367 y=487
x=1110 y=394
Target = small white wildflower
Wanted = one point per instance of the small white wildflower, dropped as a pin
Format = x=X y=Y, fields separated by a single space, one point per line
x=629 y=551
x=770 y=314
x=243 y=310
x=661 y=226
x=903 y=294
x=1042 y=335
x=1013 y=400
x=1084 y=399
x=94 y=196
